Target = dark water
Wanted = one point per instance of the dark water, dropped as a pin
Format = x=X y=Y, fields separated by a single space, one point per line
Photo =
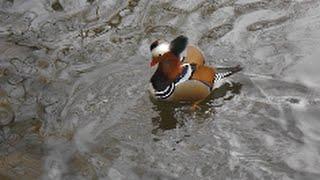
x=74 y=105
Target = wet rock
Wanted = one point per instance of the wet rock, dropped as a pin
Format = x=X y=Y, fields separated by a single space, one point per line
x=216 y=33
x=266 y=24
x=24 y=66
x=15 y=79
x=17 y=92
x=208 y=9
x=79 y=163
x=56 y=6
x=170 y=8
x=4 y=72
x=90 y=1
x=249 y=7
x=132 y=3
x=43 y=79
x=43 y=64
x=293 y=100
x=6 y=113
x=115 y=20
x=3 y=93
x=187 y=6
x=26 y=158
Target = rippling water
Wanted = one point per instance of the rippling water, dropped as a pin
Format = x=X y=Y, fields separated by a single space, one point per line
x=74 y=105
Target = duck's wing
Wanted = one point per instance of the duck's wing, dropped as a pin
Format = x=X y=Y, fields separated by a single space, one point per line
x=194 y=56
x=204 y=74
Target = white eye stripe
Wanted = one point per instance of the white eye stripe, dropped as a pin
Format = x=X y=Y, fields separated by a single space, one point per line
x=161 y=49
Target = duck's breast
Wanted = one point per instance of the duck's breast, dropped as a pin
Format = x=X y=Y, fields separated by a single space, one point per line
x=190 y=91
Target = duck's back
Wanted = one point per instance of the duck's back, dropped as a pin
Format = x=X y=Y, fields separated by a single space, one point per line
x=202 y=72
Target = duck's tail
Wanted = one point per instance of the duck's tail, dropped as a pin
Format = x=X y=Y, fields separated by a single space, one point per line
x=223 y=72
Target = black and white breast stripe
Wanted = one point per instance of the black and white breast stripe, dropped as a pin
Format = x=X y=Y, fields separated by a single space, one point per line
x=186 y=74
x=165 y=93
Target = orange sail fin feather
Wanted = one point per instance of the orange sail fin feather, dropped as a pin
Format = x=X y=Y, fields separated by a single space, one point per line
x=194 y=56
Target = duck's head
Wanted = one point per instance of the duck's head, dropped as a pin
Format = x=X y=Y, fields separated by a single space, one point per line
x=160 y=48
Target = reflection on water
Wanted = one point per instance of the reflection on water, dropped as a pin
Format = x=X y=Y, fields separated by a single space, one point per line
x=74 y=101
x=168 y=112
x=166 y=119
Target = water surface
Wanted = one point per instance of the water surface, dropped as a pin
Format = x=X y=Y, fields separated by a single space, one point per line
x=74 y=105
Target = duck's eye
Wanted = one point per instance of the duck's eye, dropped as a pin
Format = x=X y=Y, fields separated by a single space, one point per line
x=160 y=54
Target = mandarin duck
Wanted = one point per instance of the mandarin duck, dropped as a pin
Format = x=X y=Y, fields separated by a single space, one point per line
x=182 y=75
